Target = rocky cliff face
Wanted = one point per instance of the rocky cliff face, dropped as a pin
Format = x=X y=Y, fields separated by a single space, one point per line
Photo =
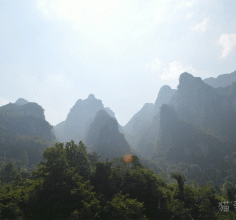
x=104 y=137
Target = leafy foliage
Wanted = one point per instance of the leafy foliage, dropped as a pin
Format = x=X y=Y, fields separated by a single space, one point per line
x=71 y=184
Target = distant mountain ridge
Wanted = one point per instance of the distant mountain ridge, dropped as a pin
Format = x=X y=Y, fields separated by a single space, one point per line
x=205 y=106
x=181 y=141
x=24 y=131
x=79 y=119
x=223 y=80
x=164 y=96
x=212 y=110
x=141 y=117
x=142 y=129
x=30 y=108
x=26 y=119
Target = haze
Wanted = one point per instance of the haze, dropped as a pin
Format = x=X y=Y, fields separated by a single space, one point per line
x=56 y=52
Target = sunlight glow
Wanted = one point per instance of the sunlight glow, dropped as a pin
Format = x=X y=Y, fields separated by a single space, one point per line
x=128 y=158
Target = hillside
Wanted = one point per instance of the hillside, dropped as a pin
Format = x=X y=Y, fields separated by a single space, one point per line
x=24 y=132
x=104 y=137
x=27 y=119
x=205 y=107
x=79 y=119
x=181 y=141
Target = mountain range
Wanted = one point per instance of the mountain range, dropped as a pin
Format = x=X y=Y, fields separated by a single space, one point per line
x=183 y=124
x=223 y=80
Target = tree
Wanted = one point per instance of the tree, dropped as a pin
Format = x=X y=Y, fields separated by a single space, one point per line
x=180 y=178
x=230 y=191
x=122 y=207
x=62 y=190
x=77 y=157
x=148 y=188
x=8 y=173
x=101 y=179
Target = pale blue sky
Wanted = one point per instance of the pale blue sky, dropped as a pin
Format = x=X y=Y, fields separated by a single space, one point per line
x=55 y=52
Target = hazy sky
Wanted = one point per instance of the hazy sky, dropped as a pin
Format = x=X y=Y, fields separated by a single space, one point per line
x=55 y=52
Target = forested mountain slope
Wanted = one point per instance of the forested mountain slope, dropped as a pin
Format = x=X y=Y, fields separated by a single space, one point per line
x=27 y=119
x=138 y=124
x=205 y=107
x=79 y=119
x=24 y=132
x=181 y=141
x=212 y=110
x=141 y=131
x=104 y=137
x=72 y=184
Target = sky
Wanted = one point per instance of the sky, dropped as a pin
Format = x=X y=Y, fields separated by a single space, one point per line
x=54 y=52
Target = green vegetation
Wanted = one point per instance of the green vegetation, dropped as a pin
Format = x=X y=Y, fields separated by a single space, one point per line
x=186 y=168
x=70 y=183
x=26 y=120
x=104 y=137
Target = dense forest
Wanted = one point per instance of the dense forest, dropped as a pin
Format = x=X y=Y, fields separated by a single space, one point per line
x=70 y=183
x=181 y=157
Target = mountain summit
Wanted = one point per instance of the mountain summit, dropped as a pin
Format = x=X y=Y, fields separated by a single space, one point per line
x=21 y=101
x=164 y=96
x=208 y=108
x=26 y=119
x=79 y=119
